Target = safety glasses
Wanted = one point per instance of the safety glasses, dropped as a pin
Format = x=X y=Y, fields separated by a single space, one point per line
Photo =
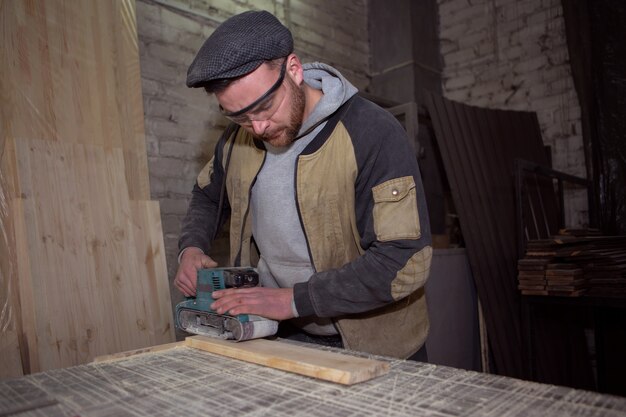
x=262 y=108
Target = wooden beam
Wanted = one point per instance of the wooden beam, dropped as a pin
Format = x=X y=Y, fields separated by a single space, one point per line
x=341 y=368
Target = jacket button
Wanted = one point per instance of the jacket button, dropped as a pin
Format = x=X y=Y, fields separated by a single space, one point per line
x=394 y=192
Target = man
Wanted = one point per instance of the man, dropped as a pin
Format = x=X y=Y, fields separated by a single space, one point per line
x=322 y=183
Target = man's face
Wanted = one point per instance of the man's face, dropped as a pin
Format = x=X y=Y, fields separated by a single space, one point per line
x=273 y=104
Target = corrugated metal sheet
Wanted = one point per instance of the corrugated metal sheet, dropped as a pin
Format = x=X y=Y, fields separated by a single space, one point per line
x=478 y=148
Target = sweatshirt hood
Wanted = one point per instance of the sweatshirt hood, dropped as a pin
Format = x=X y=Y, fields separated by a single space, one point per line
x=337 y=90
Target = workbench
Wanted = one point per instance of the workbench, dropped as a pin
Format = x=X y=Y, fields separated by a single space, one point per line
x=184 y=381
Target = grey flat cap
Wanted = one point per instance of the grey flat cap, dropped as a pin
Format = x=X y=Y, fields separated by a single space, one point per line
x=238 y=46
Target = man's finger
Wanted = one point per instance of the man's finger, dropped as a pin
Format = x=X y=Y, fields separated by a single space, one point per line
x=185 y=285
x=207 y=262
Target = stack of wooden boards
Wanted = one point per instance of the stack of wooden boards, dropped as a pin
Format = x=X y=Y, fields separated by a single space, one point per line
x=82 y=260
x=572 y=264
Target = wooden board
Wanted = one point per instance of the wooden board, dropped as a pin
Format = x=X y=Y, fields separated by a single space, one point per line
x=329 y=366
x=83 y=244
x=70 y=73
x=10 y=313
x=593 y=263
x=90 y=262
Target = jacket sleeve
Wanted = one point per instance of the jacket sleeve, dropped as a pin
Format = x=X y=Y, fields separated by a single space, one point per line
x=200 y=223
x=392 y=220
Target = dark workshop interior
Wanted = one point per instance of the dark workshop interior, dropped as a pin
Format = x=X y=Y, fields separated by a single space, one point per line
x=515 y=112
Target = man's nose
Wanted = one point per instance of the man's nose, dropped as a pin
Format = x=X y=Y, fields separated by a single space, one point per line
x=260 y=126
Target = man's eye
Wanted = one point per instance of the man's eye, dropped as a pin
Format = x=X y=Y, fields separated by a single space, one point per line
x=240 y=120
x=264 y=107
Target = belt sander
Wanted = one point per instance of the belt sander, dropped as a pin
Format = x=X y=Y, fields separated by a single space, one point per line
x=194 y=315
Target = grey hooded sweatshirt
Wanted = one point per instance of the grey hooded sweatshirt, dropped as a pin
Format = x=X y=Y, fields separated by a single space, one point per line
x=276 y=225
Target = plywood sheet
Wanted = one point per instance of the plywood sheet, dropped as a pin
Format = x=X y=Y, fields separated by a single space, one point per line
x=329 y=366
x=70 y=73
x=86 y=246
x=10 y=312
x=10 y=322
x=91 y=263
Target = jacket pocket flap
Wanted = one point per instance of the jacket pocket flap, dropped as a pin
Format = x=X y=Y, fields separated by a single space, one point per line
x=393 y=190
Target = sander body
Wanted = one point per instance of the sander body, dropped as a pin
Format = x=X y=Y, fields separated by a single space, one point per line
x=194 y=315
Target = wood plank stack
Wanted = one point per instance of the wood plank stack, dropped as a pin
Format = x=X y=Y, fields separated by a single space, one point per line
x=565 y=279
x=574 y=263
x=531 y=274
x=82 y=261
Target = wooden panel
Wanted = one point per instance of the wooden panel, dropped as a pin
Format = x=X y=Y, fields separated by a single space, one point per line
x=91 y=262
x=10 y=313
x=85 y=245
x=27 y=331
x=13 y=356
x=152 y=274
x=329 y=366
x=70 y=72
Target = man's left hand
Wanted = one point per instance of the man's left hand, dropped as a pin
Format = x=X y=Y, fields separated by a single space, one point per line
x=271 y=303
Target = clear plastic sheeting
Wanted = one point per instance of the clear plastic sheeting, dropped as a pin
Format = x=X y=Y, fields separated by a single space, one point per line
x=83 y=269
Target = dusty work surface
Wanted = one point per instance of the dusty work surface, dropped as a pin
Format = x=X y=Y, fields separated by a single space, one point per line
x=183 y=381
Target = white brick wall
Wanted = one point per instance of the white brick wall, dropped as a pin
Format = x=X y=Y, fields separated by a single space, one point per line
x=512 y=54
x=508 y=54
x=182 y=124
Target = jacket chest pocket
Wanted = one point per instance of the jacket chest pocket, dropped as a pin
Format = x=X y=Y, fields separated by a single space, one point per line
x=395 y=210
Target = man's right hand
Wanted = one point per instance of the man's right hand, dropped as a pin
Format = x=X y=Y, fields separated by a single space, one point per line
x=187 y=275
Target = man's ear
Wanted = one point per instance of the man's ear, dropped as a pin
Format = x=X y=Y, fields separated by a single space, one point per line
x=294 y=68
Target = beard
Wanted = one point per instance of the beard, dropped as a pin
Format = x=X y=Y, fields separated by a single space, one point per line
x=288 y=135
